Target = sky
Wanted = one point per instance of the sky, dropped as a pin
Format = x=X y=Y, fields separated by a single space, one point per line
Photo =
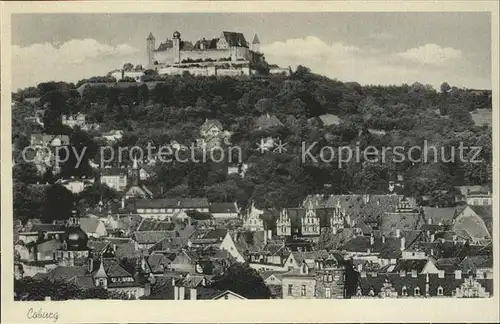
x=369 y=48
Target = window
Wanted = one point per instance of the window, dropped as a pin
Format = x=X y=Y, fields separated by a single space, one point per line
x=290 y=290
x=404 y=291
x=327 y=292
x=330 y=278
x=440 y=291
x=303 y=290
x=416 y=291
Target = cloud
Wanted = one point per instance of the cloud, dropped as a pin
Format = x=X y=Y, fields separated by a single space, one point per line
x=431 y=54
x=370 y=66
x=70 y=61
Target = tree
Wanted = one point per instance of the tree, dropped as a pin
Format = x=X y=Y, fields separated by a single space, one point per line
x=445 y=88
x=25 y=172
x=243 y=280
x=58 y=205
x=96 y=193
x=29 y=289
x=128 y=66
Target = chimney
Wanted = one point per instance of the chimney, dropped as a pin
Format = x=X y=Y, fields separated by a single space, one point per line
x=432 y=237
x=429 y=221
x=270 y=234
x=178 y=202
x=432 y=252
x=192 y=294
x=176 y=292
x=398 y=233
x=173 y=282
x=383 y=239
x=458 y=274
x=123 y=202
x=265 y=237
x=455 y=238
x=372 y=240
x=91 y=265
x=402 y=243
x=181 y=293
x=368 y=251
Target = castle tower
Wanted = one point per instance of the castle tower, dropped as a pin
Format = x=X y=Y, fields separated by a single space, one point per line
x=176 y=47
x=150 y=49
x=256 y=44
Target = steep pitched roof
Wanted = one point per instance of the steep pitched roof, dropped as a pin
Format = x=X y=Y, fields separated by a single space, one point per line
x=256 y=39
x=155 y=225
x=114 y=270
x=329 y=119
x=209 y=123
x=151 y=237
x=185 y=203
x=89 y=225
x=486 y=214
x=440 y=215
x=66 y=273
x=156 y=261
x=219 y=208
x=472 y=263
x=98 y=246
x=403 y=221
x=267 y=121
x=235 y=39
x=358 y=207
x=126 y=250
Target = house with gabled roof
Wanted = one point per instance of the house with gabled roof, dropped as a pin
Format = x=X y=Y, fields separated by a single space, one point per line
x=267 y=121
x=93 y=227
x=224 y=210
x=164 y=209
x=477 y=222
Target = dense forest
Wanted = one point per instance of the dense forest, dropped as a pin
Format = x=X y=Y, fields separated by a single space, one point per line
x=175 y=108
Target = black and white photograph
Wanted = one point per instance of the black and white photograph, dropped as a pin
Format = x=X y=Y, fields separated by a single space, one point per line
x=275 y=155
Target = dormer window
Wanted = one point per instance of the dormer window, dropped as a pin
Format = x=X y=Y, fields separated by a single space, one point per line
x=440 y=291
x=404 y=291
x=416 y=291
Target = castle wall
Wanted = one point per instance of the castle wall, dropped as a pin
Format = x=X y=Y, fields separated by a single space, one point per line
x=240 y=53
x=204 y=71
x=164 y=56
x=234 y=53
x=209 y=54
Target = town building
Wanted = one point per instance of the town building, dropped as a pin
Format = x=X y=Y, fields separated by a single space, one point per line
x=76 y=185
x=224 y=210
x=253 y=220
x=115 y=178
x=164 y=209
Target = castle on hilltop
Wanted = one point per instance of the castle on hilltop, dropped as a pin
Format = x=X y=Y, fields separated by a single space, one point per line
x=229 y=47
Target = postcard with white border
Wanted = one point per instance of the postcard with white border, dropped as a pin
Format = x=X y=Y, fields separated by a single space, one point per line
x=250 y=161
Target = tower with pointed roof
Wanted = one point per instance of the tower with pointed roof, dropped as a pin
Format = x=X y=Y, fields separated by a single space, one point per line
x=151 y=47
x=256 y=44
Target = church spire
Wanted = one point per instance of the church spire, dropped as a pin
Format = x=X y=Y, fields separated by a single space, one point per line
x=256 y=44
x=256 y=39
